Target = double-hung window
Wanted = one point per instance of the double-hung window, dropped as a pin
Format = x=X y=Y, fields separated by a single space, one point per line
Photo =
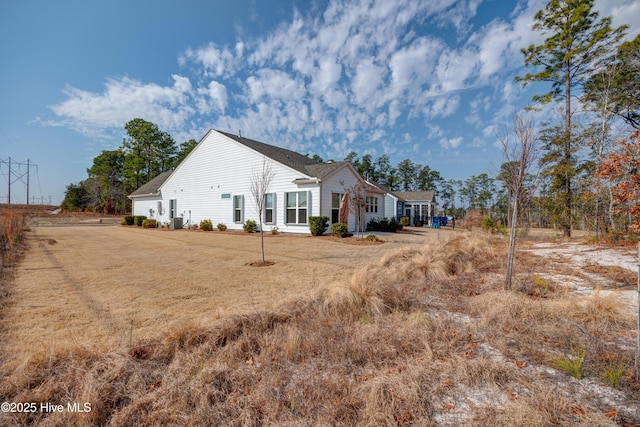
x=372 y=204
x=269 y=208
x=297 y=206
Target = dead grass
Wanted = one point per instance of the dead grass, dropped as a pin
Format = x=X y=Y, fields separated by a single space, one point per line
x=387 y=345
x=620 y=276
x=598 y=312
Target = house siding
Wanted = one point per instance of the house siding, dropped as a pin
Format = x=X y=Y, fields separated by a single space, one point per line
x=221 y=166
x=338 y=182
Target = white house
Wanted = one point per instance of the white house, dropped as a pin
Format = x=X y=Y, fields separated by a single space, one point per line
x=213 y=182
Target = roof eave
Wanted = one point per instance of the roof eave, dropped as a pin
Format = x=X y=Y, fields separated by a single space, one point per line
x=303 y=181
x=134 y=196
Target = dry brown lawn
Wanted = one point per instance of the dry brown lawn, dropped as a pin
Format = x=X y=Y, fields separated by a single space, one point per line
x=110 y=286
x=400 y=333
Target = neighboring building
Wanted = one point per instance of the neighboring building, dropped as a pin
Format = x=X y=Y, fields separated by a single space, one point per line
x=213 y=182
x=419 y=206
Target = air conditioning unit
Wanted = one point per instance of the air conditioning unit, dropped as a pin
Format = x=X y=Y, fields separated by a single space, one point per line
x=176 y=223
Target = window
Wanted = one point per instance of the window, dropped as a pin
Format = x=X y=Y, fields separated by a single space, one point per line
x=297 y=207
x=269 y=203
x=336 y=198
x=372 y=204
x=238 y=207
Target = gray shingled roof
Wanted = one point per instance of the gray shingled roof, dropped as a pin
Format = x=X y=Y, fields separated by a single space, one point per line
x=152 y=187
x=297 y=161
x=415 y=195
x=289 y=158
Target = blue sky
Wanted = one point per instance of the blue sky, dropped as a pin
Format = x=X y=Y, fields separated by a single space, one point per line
x=428 y=80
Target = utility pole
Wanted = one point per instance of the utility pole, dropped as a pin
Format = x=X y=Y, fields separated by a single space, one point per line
x=27 y=181
x=9 y=193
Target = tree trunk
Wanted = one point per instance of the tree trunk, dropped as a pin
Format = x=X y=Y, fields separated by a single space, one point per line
x=611 y=220
x=512 y=245
x=567 y=149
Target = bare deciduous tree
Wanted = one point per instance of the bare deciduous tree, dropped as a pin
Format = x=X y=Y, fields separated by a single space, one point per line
x=260 y=182
x=521 y=154
x=357 y=203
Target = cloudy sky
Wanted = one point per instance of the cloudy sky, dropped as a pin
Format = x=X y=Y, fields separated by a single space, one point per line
x=428 y=80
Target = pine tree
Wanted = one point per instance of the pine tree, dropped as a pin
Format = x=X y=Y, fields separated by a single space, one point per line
x=577 y=42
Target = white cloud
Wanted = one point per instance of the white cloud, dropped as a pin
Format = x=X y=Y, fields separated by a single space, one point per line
x=412 y=65
x=435 y=131
x=365 y=83
x=445 y=106
x=214 y=61
x=213 y=97
x=622 y=12
x=451 y=143
x=270 y=84
x=122 y=100
x=459 y=15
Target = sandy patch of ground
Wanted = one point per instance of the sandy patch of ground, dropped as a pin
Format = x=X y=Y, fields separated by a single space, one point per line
x=110 y=286
x=576 y=256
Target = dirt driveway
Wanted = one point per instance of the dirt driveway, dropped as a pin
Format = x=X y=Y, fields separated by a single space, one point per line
x=110 y=286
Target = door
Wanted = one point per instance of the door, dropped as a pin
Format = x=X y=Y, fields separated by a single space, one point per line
x=173 y=208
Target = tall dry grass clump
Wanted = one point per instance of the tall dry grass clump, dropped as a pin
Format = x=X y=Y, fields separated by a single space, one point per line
x=391 y=282
x=12 y=226
x=598 y=312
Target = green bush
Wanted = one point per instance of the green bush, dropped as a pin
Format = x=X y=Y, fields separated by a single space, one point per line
x=221 y=226
x=138 y=219
x=339 y=229
x=372 y=237
x=491 y=226
x=274 y=230
x=389 y=225
x=318 y=225
x=487 y=223
x=250 y=226
x=206 y=225
x=149 y=223
x=404 y=221
x=128 y=220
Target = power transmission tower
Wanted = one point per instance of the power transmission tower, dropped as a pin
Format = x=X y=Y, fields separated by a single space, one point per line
x=15 y=173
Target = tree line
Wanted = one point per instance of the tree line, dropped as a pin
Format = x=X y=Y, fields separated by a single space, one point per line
x=145 y=153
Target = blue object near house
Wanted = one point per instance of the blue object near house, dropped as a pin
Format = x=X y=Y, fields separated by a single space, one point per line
x=439 y=221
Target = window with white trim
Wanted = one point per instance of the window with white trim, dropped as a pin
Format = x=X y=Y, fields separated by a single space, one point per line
x=238 y=208
x=372 y=204
x=269 y=208
x=297 y=206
